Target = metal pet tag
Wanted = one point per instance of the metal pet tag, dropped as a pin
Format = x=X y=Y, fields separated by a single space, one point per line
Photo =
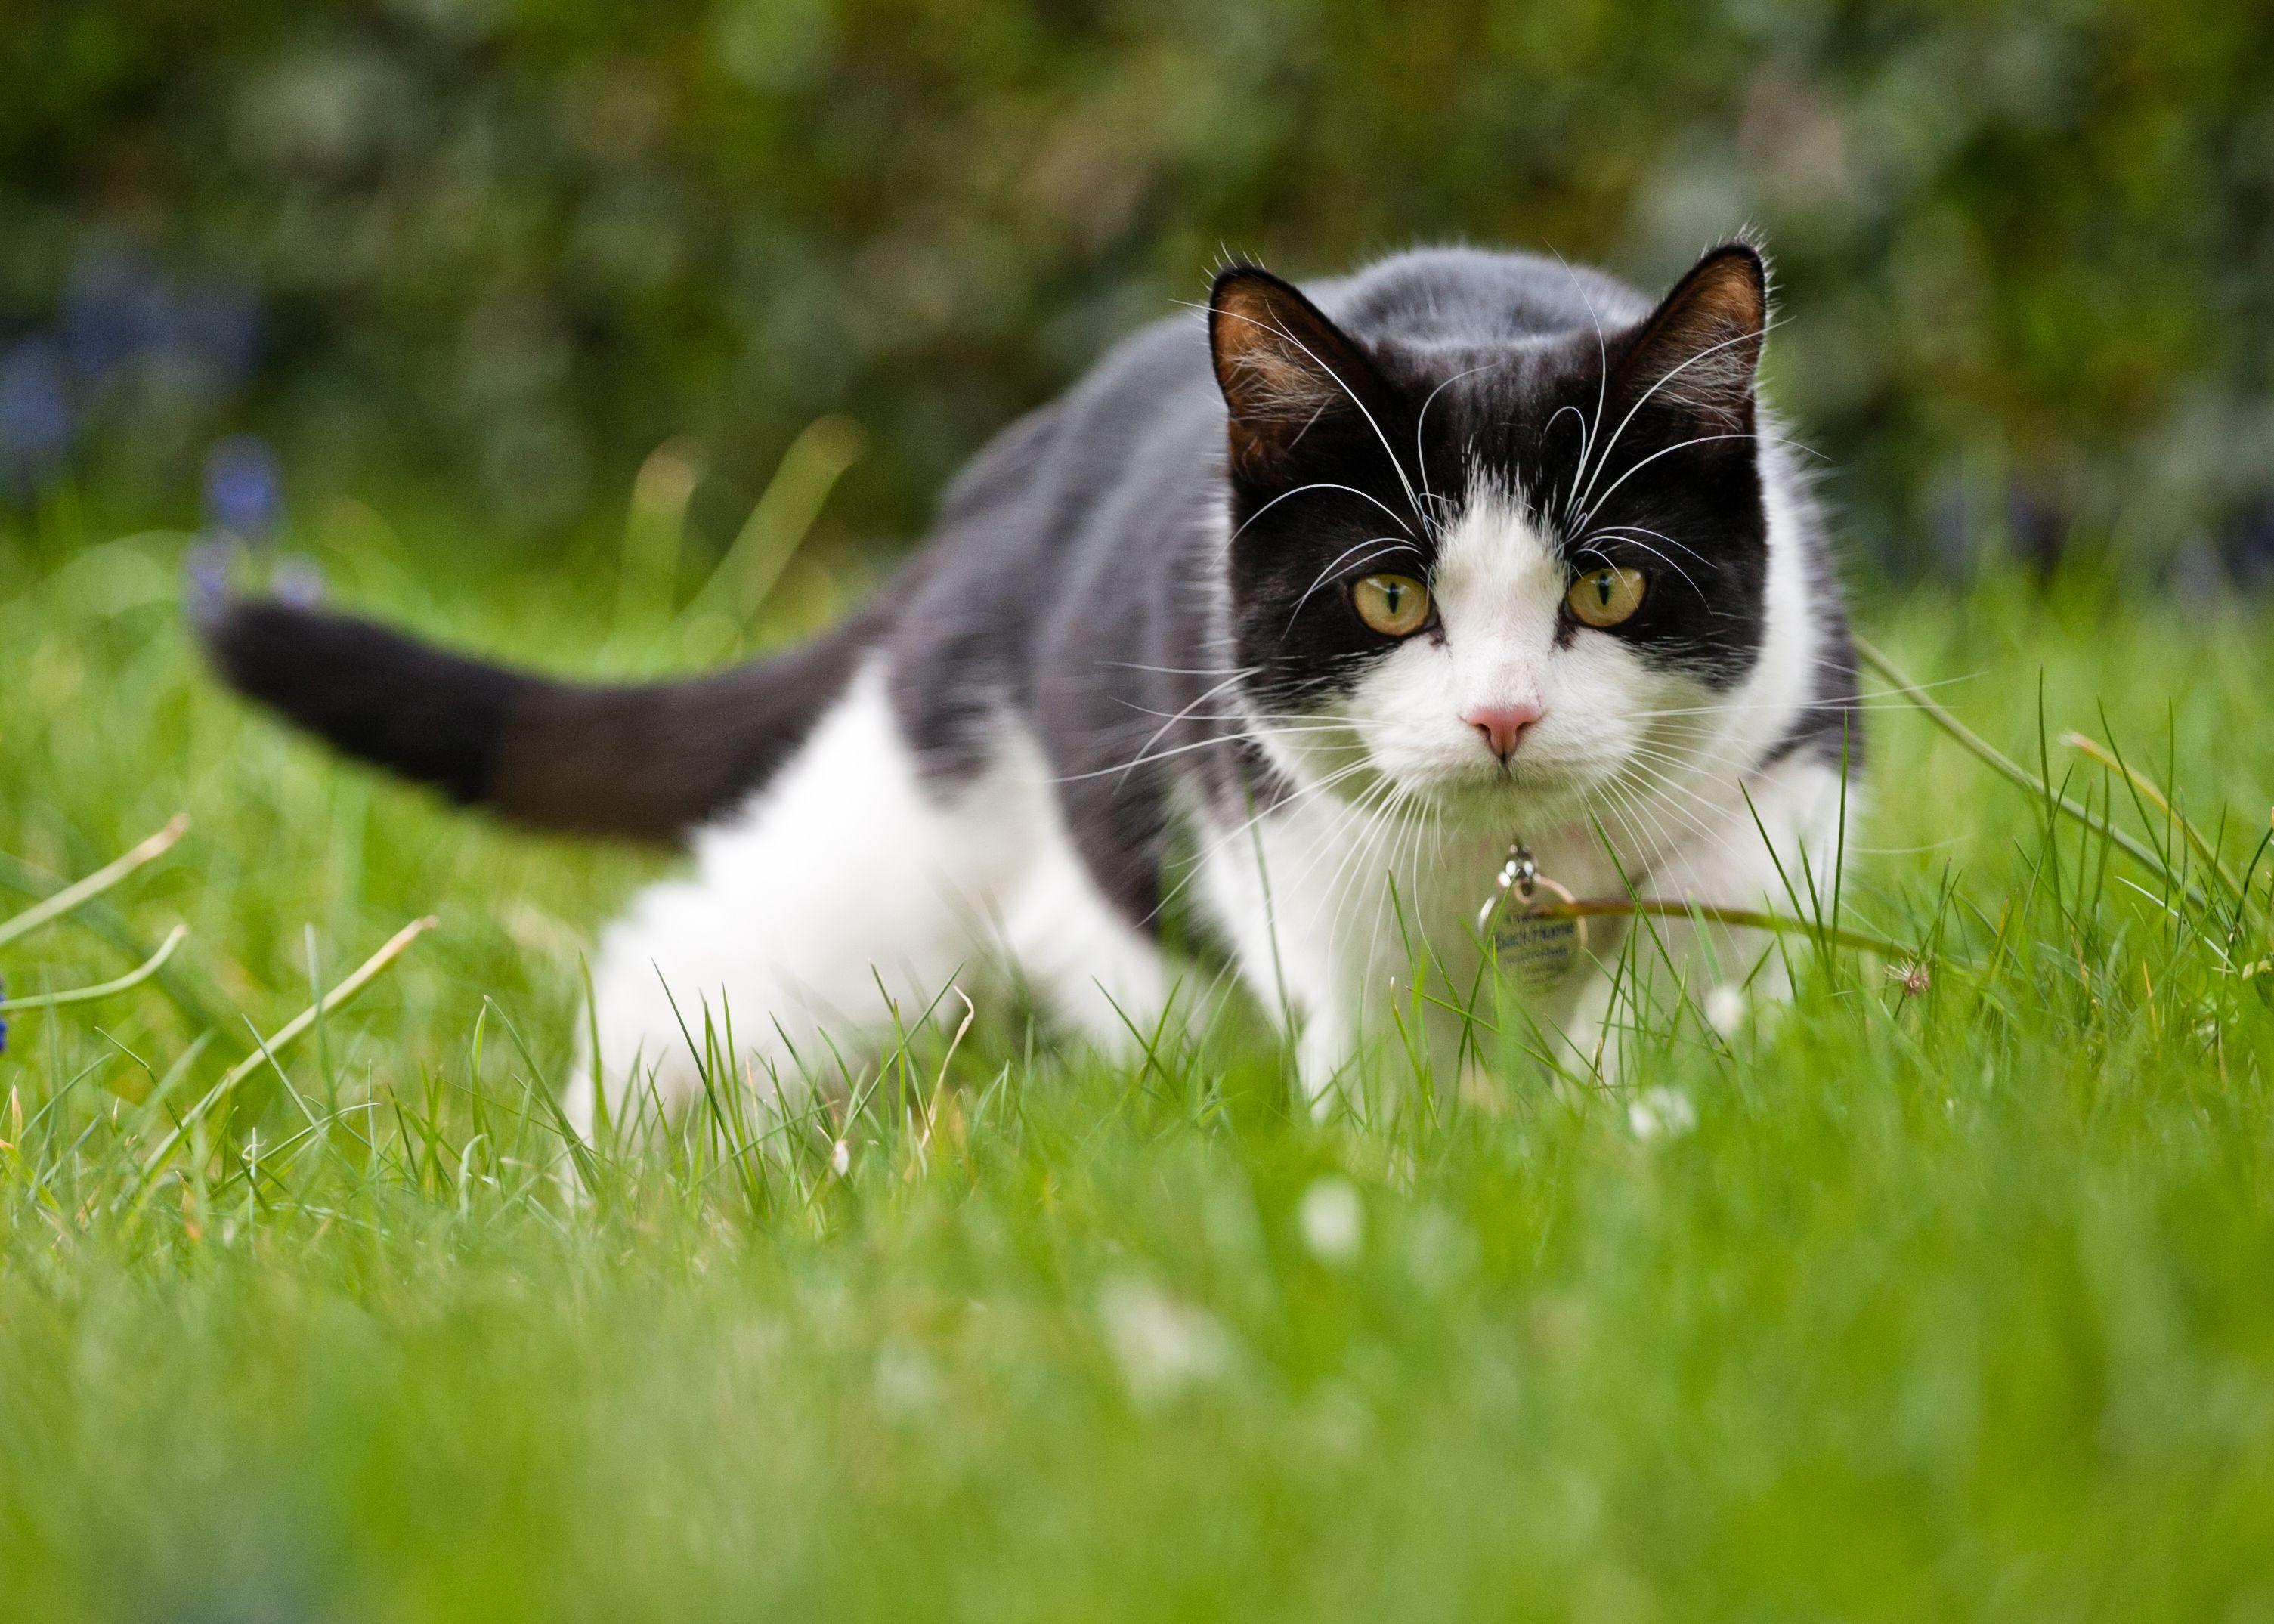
x=1537 y=952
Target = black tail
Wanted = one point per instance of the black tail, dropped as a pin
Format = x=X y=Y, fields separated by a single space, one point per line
x=647 y=761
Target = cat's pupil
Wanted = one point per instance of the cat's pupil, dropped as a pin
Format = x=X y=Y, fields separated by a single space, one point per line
x=1603 y=589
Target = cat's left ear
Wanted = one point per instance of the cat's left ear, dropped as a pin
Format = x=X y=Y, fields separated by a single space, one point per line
x=1700 y=350
x=1284 y=369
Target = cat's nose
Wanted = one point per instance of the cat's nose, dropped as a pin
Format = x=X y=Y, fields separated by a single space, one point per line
x=1501 y=726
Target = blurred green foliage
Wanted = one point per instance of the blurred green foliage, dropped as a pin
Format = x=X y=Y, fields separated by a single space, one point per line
x=2027 y=250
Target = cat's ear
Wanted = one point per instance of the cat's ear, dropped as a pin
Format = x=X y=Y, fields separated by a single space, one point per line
x=1700 y=350
x=1284 y=369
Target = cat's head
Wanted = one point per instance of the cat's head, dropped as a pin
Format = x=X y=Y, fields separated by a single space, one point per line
x=1499 y=576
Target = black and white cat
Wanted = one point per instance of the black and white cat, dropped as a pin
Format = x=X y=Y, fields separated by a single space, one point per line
x=1296 y=619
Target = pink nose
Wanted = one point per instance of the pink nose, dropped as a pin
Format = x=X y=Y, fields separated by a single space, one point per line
x=1501 y=726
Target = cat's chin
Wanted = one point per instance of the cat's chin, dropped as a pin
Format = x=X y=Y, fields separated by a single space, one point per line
x=1507 y=805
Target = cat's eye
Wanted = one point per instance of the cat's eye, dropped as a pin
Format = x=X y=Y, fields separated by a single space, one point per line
x=1395 y=606
x=1605 y=596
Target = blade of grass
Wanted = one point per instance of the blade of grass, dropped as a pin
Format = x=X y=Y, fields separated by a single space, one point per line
x=95 y=884
x=361 y=977
x=102 y=989
x=2148 y=790
x=1743 y=918
x=779 y=523
x=2007 y=767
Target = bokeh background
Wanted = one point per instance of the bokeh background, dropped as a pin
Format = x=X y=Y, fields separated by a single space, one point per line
x=490 y=253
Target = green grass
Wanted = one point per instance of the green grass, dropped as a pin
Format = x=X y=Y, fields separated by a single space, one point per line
x=1952 y=1305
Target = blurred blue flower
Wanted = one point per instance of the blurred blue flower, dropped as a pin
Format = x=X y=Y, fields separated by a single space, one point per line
x=113 y=307
x=117 y=308
x=196 y=343
x=243 y=494
x=36 y=419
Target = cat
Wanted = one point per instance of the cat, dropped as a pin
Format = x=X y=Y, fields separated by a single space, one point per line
x=1285 y=624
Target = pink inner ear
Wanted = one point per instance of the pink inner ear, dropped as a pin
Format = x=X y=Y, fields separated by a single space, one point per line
x=1702 y=348
x=1281 y=366
x=1278 y=380
x=1273 y=359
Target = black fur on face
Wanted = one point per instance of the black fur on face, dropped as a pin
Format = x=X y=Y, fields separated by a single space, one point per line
x=1626 y=434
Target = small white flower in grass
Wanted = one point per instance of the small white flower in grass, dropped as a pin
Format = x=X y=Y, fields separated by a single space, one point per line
x=1725 y=1010
x=1656 y=1111
x=1914 y=979
x=840 y=1158
x=1332 y=1220
x=908 y=1382
x=1162 y=1345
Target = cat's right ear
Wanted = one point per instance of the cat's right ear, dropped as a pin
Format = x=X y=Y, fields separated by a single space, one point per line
x=1283 y=368
x=1700 y=350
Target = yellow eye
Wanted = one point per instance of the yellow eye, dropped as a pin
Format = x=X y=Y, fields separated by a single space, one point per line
x=1605 y=596
x=1395 y=606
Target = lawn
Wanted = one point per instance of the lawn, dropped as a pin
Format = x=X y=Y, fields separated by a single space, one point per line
x=1948 y=1303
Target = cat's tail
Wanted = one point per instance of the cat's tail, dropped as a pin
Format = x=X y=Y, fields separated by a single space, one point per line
x=646 y=760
